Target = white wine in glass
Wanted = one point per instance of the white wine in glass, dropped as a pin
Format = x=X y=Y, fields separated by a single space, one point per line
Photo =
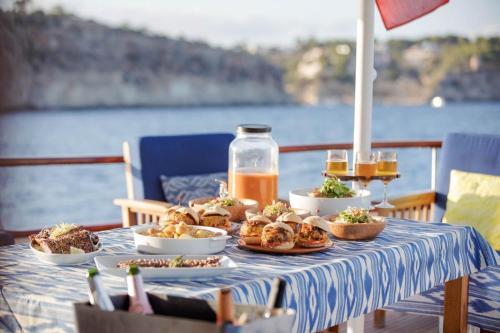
x=387 y=165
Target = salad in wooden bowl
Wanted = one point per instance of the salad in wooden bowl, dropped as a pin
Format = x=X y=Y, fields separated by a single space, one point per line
x=356 y=224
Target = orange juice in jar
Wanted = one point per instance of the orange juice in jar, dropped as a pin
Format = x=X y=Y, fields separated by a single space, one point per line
x=262 y=187
x=253 y=165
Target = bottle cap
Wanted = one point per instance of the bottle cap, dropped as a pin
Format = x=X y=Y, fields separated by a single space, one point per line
x=91 y=272
x=132 y=270
x=253 y=128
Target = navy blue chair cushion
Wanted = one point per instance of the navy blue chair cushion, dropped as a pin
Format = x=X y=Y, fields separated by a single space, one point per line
x=180 y=155
x=478 y=153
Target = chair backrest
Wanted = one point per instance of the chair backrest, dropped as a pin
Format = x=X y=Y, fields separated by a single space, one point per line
x=466 y=152
x=180 y=155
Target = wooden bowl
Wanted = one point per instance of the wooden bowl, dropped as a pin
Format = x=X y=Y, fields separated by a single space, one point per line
x=358 y=231
x=237 y=212
x=302 y=213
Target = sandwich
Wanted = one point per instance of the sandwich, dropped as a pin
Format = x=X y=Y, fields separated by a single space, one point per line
x=216 y=217
x=292 y=219
x=251 y=230
x=276 y=209
x=277 y=235
x=183 y=214
x=313 y=232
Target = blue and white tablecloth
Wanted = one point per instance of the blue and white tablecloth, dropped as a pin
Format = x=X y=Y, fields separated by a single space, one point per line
x=325 y=288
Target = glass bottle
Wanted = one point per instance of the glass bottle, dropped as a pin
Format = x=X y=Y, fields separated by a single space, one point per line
x=253 y=164
x=97 y=294
x=138 y=299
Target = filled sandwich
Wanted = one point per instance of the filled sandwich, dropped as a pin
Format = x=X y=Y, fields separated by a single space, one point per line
x=216 y=217
x=251 y=230
x=292 y=220
x=313 y=232
x=184 y=214
x=278 y=235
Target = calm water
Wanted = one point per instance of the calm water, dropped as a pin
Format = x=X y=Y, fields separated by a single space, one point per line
x=31 y=197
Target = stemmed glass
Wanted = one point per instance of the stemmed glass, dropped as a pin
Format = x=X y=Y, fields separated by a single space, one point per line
x=336 y=163
x=365 y=166
x=387 y=165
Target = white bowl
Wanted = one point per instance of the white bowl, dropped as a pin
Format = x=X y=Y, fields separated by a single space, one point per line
x=328 y=206
x=161 y=245
x=66 y=259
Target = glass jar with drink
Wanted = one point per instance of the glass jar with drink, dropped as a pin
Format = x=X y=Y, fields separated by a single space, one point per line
x=253 y=165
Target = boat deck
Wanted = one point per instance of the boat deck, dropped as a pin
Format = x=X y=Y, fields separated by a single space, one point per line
x=397 y=322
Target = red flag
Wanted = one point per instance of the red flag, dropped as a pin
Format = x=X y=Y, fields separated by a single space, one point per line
x=398 y=12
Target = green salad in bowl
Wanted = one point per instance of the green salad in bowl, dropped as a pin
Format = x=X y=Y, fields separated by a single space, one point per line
x=332 y=188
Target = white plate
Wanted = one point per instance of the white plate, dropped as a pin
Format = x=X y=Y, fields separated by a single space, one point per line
x=66 y=259
x=328 y=206
x=107 y=265
x=160 y=245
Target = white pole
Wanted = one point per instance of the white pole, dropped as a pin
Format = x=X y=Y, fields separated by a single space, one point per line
x=364 y=78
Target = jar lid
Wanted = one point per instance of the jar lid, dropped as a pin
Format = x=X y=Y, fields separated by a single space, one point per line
x=253 y=128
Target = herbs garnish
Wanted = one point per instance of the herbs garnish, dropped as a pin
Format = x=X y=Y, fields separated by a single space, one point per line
x=355 y=215
x=334 y=188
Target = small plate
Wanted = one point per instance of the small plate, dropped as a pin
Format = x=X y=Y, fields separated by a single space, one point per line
x=66 y=259
x=295 y=250
x=107 y=265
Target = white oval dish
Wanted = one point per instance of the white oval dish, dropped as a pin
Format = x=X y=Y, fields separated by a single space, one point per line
x=161 y=245
x=328 y=206
x=66 y=259
x=107 y=265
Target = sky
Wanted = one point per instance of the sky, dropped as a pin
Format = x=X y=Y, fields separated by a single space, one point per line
x=275 y=22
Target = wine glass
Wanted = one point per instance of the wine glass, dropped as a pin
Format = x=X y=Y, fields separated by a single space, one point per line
x=337 y=163
x=387 y=165
x=365 y=167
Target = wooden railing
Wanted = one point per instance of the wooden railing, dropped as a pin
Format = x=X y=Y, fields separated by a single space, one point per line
x=379 y=144
x=39 y=161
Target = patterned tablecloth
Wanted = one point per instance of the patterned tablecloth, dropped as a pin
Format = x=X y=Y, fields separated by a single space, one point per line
x=325 y=288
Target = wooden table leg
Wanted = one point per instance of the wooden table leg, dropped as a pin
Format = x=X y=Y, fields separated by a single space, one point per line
x=379 y=319
x=456 y=303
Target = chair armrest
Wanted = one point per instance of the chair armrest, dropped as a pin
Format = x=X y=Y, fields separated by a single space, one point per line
x=143 y=205
x=141 y=211
x=413 y=206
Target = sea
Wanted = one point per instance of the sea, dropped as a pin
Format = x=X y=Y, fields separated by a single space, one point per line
x=35 y=196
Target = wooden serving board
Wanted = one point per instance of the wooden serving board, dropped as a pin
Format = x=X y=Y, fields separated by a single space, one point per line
x=293 y=251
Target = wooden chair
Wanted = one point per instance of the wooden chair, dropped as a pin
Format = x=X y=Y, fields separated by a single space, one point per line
x=466 y=152
x=170 y=156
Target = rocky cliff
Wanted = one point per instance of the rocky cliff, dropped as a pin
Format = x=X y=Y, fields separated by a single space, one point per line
x=61 y=61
